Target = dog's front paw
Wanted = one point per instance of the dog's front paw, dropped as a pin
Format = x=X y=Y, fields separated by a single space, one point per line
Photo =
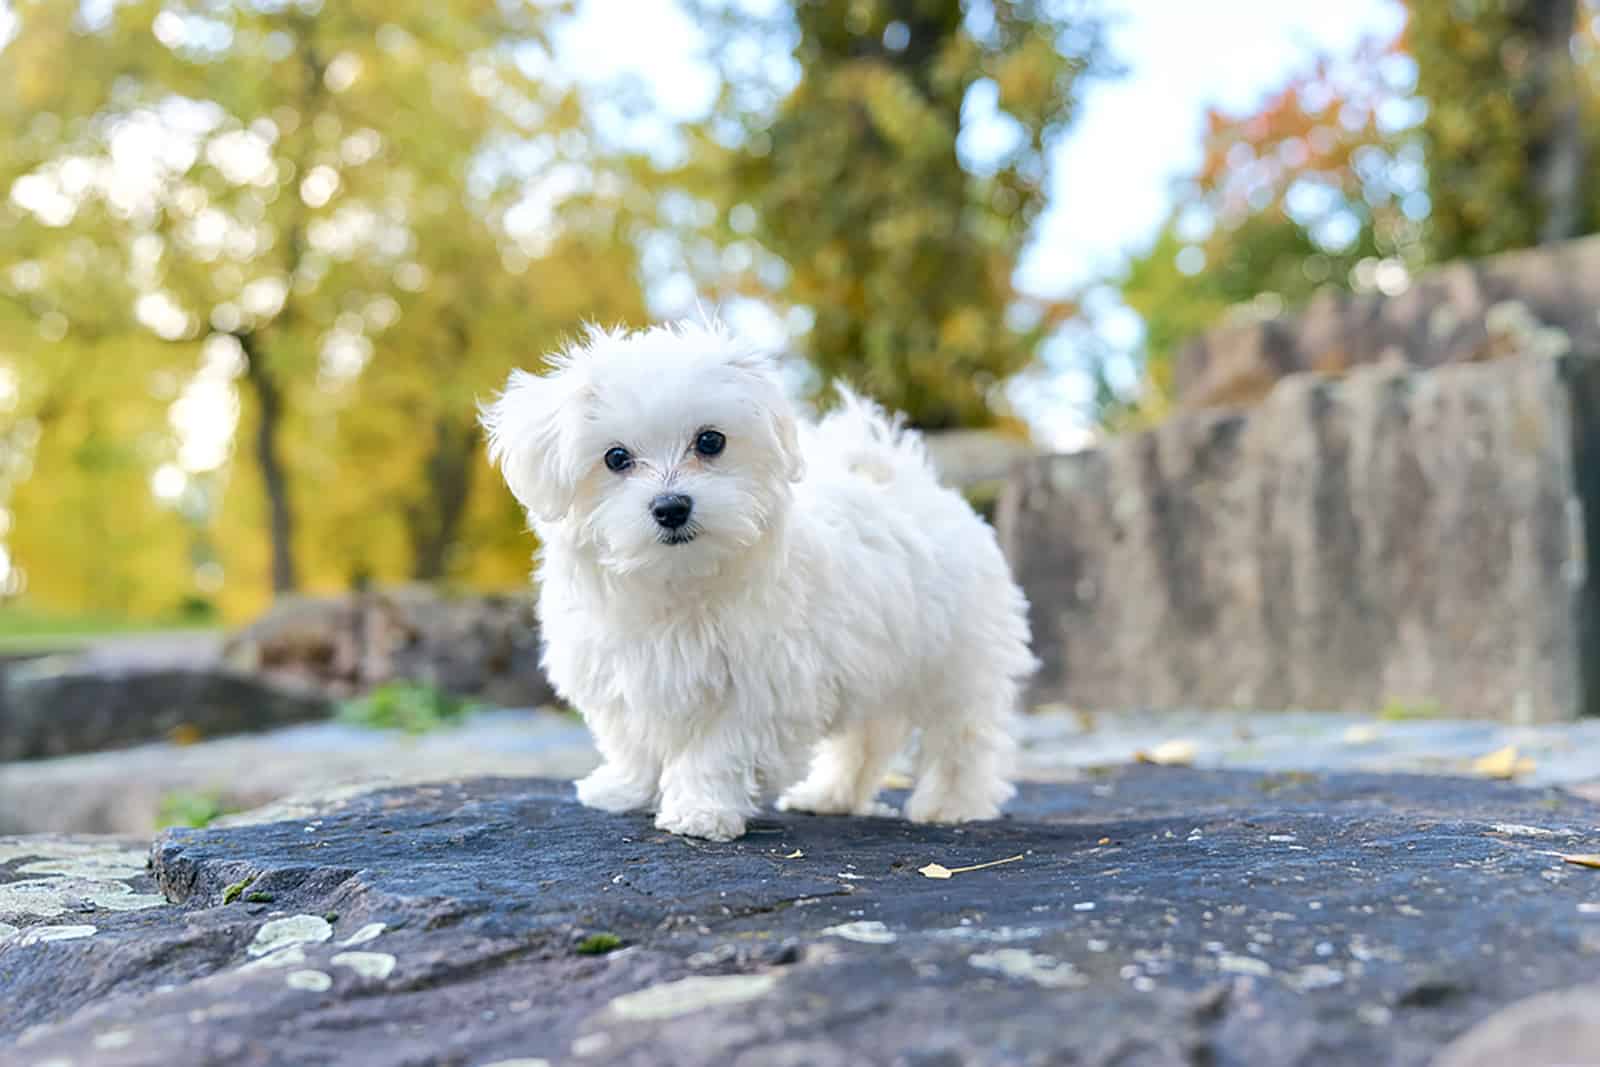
x=815 y=799
x=709 y=823
x=935 y=809
x=610 y=790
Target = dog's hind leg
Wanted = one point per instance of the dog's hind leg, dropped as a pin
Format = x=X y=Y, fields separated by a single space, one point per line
x=965 y=760
x=847 y=770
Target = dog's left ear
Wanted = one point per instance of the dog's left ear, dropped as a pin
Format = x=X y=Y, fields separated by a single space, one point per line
x=524 y=429
x=779 y=411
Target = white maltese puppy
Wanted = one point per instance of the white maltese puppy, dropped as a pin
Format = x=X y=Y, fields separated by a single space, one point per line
x=742 y=605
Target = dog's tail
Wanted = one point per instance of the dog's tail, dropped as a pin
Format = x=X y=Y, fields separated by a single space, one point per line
x=872 y=442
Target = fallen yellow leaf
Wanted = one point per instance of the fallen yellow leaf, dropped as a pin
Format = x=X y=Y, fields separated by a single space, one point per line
x=1590 y=860
x=1168 y=754
x=185 y=734
x=1361 y=734
x=938 y=870
x=796 y=854
x=893 y=780
x=1503 y=763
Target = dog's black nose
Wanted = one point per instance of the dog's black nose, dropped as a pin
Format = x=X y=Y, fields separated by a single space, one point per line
x=671 y=509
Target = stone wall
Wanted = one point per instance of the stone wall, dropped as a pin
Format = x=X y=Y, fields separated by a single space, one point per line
x=1400 y=536
x=1542 y=300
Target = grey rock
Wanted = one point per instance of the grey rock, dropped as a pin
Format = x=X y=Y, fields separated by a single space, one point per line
x=1541 y=300
x=59 y=705
x=481 y=646
x=1156 y=916
x=1411 y=537
x=968 y=458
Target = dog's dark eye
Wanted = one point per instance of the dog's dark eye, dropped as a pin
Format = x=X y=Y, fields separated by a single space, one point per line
x=710 y=443
x=618 y=459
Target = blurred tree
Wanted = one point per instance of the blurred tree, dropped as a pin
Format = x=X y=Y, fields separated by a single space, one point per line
x=1298 y=194
x=347 y=213
x=1316 y=188
x=899 y=232
x=1505 y=135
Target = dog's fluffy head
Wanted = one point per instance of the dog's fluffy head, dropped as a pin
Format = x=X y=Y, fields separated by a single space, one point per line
x=651 y=394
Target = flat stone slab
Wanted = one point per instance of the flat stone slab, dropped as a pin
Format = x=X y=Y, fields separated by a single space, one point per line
x=1155 y=916
x=125 y=791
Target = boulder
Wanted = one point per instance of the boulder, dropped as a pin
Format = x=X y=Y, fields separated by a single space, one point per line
x=966 y=459
x=1540 y=300
x=1153 y=916
x=480 y=646
x=1400 y=538
x=66 y=704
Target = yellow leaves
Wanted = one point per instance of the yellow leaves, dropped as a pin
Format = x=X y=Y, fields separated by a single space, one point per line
x=1029 y=75
x=1590 y=860
x=964 y=329
x=1504 y=763
x=938 y=870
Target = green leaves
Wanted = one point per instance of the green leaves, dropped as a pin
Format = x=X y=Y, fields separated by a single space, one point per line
x=901 y=244
x=410 y=707
x=339 y=186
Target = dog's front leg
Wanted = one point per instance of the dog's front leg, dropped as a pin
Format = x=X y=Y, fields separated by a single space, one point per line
x=626 y=779
x=708 y=791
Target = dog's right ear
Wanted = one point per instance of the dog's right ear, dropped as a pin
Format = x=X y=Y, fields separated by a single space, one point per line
x=525 y=427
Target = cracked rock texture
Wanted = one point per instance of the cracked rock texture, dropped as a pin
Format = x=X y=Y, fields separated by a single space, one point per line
x=1156 y=916
x=1399 y=537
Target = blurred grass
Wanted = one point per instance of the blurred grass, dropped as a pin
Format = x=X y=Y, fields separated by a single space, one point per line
x=27 y=631
x=407 y=706
x=194 y=810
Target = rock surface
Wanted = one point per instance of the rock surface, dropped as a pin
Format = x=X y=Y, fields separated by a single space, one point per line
x=58 y=705
x=480 y=646
x=129 y=790
x=1156 y=916
x=1411 y=537
x=1540 y=300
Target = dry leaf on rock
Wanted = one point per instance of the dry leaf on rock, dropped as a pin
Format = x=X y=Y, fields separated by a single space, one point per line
x=1503 y=763
x=1168 y=754
x=939 y=870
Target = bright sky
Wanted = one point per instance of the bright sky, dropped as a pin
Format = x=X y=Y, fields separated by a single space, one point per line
x=1114 y=171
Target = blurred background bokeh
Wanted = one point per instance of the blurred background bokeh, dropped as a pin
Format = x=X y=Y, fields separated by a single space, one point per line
x=259 y=259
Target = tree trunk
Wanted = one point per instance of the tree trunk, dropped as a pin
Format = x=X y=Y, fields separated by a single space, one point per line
x=274 y=475
x=1554 y=107
x=435 y=522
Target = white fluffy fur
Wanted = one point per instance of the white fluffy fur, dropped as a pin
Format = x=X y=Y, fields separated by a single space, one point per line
x=834 y=600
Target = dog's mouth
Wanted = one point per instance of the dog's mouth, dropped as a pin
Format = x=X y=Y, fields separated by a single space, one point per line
x=678 y=537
